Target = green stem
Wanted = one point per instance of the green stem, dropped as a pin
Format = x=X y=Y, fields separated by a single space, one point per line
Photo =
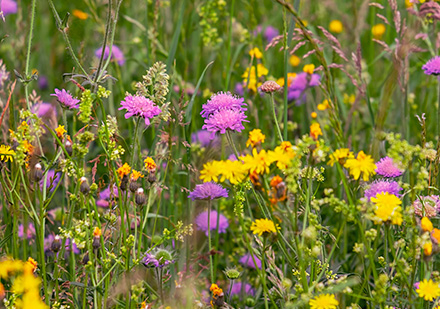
x=272 y=101
x=209 y=243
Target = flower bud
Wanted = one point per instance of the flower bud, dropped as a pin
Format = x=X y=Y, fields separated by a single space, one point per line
x=84 y=186
x=56 y=244
x=134 y=185
x=124 y=183
x=96 y=242
x=270 y=86
x=139 y=196
x=37 y=173
x=85 y=259
x=68 y=147
x=232 y=273
x=152 y=176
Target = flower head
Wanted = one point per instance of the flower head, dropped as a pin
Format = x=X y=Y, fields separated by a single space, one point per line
x=379 y=186
x=65 y=99
x=426 y=224
x=324 y=301
x=208 y=191
x=336 y=26
x=203 y=138
x=340 y=155
x=124 y=170
x=247 y=260
x=117 y=54
x=378 y=31
x=211 y=170
x=4 y=74
x=8 y=7
x=387 y=208
x=362 y=164
x=214 y=217
x=300 y=83
x=220 y=101
x=6 y=153
x=140 y=106
x=232 y=170
x=239 y=288
x=387 y=168
x=315 y=130
x=255 y=52
x=264 y=226
x=432 y=67
x=255 y=138
x=60 y=130
x=80 y=14
x=428 y=290
x=427 y=206
x=149 y=164
x=52 y=180
x=225 y=119
x=159 y=259
x=30 y=231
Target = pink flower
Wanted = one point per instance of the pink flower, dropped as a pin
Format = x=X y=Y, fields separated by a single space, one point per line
x=140 y=106
x=225 y=119
x=65 y=98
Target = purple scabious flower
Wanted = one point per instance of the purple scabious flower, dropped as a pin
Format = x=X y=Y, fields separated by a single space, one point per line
x=140 y=106
x=240 y=289
x=247 y=260
x=30 y=232
x=52 y=180
x=432 y=67
x=117 y=54
x=221 y=101
x=203 y=138
x=427 y=206
x=239 y=89
x=270 y=33
x=8 y=7
x=299 y=84
x=387 y=168
x=379 y=186
x=159 y=259
x=106 y=195
x=65 y=99
x=208 y=191
x=44 y=110
x=225 y=119
x=202 y=222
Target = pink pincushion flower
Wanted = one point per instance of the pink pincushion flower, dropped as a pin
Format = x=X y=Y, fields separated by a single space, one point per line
x=140 y=106
x=221 y=101
x=65 y=98
x=225 y=119
x=202 y=222
x=432 y=67
x=427 y=206
x=387 y=168
x=208 y=191
x=117 y=54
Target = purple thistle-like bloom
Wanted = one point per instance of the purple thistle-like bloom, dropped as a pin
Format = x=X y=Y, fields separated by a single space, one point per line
x=203 y=138
x=270 y=33
x=140 y=106
x=220 y=101
x=202 y=222
x=239 y=288
x=65 y=98
x=247 y=260
x=208 y=191
x=427 y=206
x=30 y=232
x=432 y=67
x=387 y=168
x=300 y=84
x=226 y=119
x=44 y=110
x=159 y=259
x=379 y=186
x=52 y=180
x=117 y=54
x=105 y=195
x=8 y=7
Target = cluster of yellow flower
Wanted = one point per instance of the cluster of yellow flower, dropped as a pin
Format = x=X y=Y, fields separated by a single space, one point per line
x=252 y=75
x=387 y=208
x=363 y=163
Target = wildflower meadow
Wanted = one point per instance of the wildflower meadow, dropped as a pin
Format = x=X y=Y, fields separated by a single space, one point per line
x=219 y=154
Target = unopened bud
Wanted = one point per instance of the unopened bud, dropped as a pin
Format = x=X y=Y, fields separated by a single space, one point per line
x=37 y=173
x=68 y=147
x=56 y=244
x=134 y=185
x=270 y=86
x=139 y=196
x=124 y=183
x=96 y=242
x=152 y=176
x=84 y=186
x=85 y=259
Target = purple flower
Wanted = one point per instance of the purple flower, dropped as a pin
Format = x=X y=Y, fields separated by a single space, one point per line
x=52 y=180
x=65 y=99
x=44 y=110
x=203 y=138
x=247 y=260
x=387 y=168
x=300 y=84
x=140 y=106
x=8 y=7
x=270 y=33
x=221 y=101
x=43 y=82
x=160 y=258
x=202 y=222
x=208 y=191
x=379 y=186
x=427 y=206
x=239 y=89
x=226 y=119
x=30 y=232
x=116 y=54
x=240 y=289
x=432 y=67
x=106 y=195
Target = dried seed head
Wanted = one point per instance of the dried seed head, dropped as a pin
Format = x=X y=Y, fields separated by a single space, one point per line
x=139 y=196
x=270 y=86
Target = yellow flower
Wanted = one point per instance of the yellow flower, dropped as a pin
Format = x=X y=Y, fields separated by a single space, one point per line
x=97 y=232
x=283 y=155
x=6 y=153
x=408 y=4
x=32 y=264
x=257 y=162
x=315 y=130
x=80 y=14
x=150 y=165
x=25 y=283
x=339 y=155
x=324 y=301
x=314 y=115
x=378 y=30
x=263 y=226
x=349 y=99
x=211 y=171
x=336 y=26
x=255 y=52
x=234 y=171
x=60 y=131
x=426 y=224
x=255 y=138
x=309 y=68
x=294 y=60
x=28 y=147
x=124 y=170
x=387 y=208
x=427 y=248
x=253 y=75
x=428 y=290
x=362 y=164
x=436 y=235
x=323 y=106
x=135 y=175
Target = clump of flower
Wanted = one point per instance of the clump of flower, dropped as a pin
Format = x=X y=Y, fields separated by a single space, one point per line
x=380 y=186
x=208 y=191
x=202 y=222
x=428 y=290
x=65 y=99
x=251 y=77
x=117 y=54
x=387 y=208
x=256 y=138
x=140 y=106
x=248 y=261
x=158 y=259
x=427 y=206
x=324 y=301
x=362 y=164
x=264 y=227
x=220 y=101
x=315 y=130
x=387 y=168
x=432 y=67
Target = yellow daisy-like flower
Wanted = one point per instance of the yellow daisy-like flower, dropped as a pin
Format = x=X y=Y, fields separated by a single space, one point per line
x=378 y=31
x=426 y=224
x=258 y=162
x=60 y=131
x=294 y=60
x=314 y=115
x=428 y=290
x=436 y=235
x=427 y=248
x=211 y=171
x=339 y=155
x=282 y=155
x=97 y=232
x=256 y=53
x=362 y=164
x=124 y=170
x=336 y=26
x=323 y=106
x=234 y=171
x=135 y=175
x=28 y=147
x=309 y=68
x=315 y=130
x=324 y=301
x=80 y=14
x=253 y=75
x=255 y=138
x=387 y=208
x=264 y=226
x=32 y=264
x=6 y=153
x=149 y=163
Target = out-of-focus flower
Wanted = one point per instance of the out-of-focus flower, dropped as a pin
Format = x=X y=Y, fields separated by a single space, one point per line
x=382 y=186
x=429 y=290
x=117 y=54
x=256 y=53
x=314 y=115
x=225 y=119
x=202 y=222
x=247 y=261
x=106 y=196
x=264 y=227
x=208 y=191
x=387 y=168
x=253 y=75
x=387 y=208
x=60 y=130
x=336 y=26
x=427 y=206
x=8 y=7
x=269 y=32
x=432 y=67
x=140 y=106
x=65 y=99
x=220 y=101
x=315 y=130
x=203 y=138
x=80 y=14
x=256 y=138
x=6 y=153
x=323 y=106
x=30 y=232
x=299 y=84
x=4 y=75
x=294 y=60
x=309 y=68
x=324 y=301
x=427 y=248
x=426 y=224
x=362 y=164
x=378 y=31
x=270 y=86
x=52 y=180
x=239 y=288
x=159 y=259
